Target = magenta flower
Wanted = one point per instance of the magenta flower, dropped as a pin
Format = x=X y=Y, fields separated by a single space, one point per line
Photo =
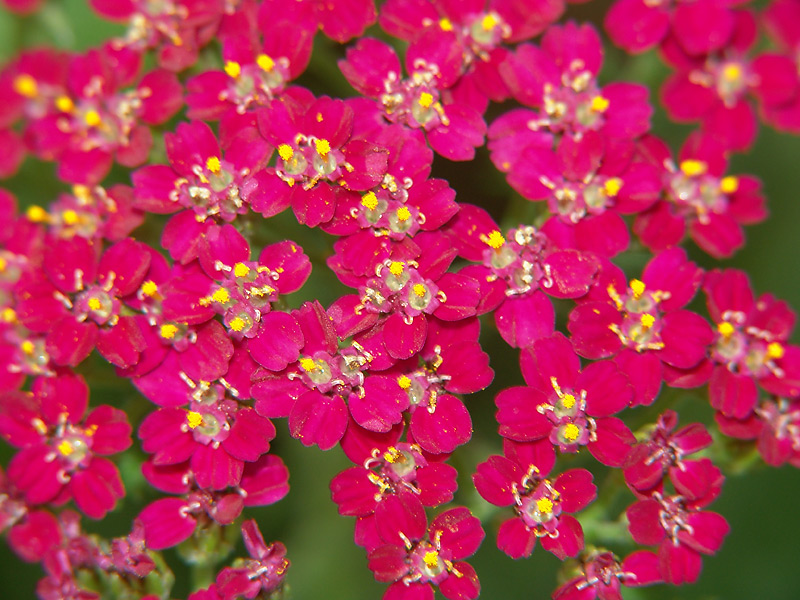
x=569 y=406
x=750 y=345
x=262 y=573
x=423 y=557
x=453 y=129
x=700 y=197
x=775 y=425
x=682 y=531
x=663 y=452
x=603 y=575
x=643 y=322
x=540 y=505
x=62 y=447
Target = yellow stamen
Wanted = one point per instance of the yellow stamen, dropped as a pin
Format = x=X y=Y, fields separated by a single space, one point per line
x=168 y=331
x=237 y=324
x=692 y=168
x=725 y=329
x=568 y=400
x=39 y=425
x=195 y=419
x=36 y=214
x=425 y=99
x=729 y=184
x=599 y=104
x=265 y=63
x=221 y=295
x=572 y=432
x=25 y=85
x=65 y=448
x=404 y=382
x=775 y=350
x=420 y=290
x=65 y=104
x=285 y=152
x=369 y=201
x=94 y=303
x=446 y=24
x=241 y=270
x=647 y=320
x=3 y=264
x=396 y=268
x=9 y=315
x=544 y=505
x=612 y=186
x=213 y=164
x=92 y=118
x=149 y=288
x=323 y=147
x=308 y=364
x=70 y=217
x=494 y=240
x=233 y=69
x=431 y=559
x=27 y=347
x=392 y=455
x=732 y=72
x=637 y=287
x=489 y=22
x=403 y=214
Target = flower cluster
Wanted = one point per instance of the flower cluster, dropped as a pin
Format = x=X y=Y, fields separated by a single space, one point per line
x=194 y=143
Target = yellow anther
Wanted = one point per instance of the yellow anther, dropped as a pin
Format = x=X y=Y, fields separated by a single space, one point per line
x=732 y=72
x=168 y=331
x=36 y=214
x=725 y=329
x=9 y=315
x=572 y=432
x=369 y=201
x=392 y=455
x=425 y=99
x=265 y=63
x=568 y=400
x=221 y=295
x=213 y=164
x=3 y=264
x=396 y=268
x=39 y=425
x=729 y=184
x=237 y=324
x=775 y=350
x=599 y=104
x=233 y=69
x=489 y=22
x=637 y=287
x=92 y=118
x=194 y=419
x=420 y=290
x=403 y=214
x=65 y=104
x=25 y=85
x=404 y=382
x=241 y=270
x=323 y=147
x=431 y=559
x=65 y=448
x=494 y=240
x=82 y=193
x=149 y=288
x=612 y=186
x=647 y=320
x=446 y=24
x=27 y=347
x=94 y=303
x=319 y=117
x=285 y=152
x=308 y=364
x=544 y=505
x=70 y=217
x=692 y=167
